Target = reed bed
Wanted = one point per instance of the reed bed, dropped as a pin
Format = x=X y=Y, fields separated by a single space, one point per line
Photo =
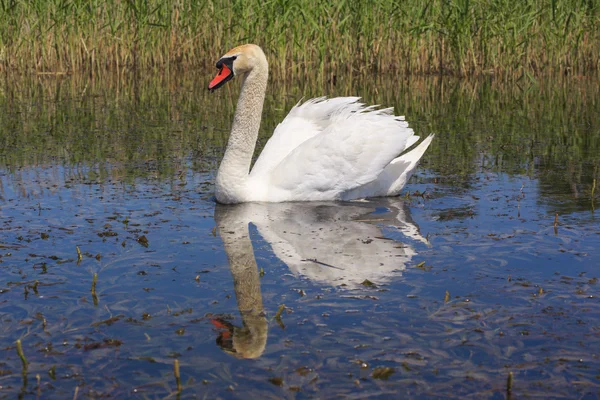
x=458 y=37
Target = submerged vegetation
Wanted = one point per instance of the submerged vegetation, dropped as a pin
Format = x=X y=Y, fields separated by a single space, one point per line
x=458 y=37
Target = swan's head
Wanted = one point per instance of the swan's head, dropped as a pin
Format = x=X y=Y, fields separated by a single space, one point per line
x=237 y=61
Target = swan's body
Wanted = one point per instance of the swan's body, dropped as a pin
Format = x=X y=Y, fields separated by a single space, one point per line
x=325 y=149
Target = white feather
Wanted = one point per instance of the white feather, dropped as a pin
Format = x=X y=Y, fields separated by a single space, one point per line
x=332 y=149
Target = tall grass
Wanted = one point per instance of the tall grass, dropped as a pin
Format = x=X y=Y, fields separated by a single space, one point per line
x=459 y=37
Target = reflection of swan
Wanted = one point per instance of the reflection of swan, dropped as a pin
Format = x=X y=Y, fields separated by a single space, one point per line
x=334 y=149
x=333 y=243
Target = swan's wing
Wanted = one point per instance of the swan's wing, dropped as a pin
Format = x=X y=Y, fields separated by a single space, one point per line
x=351 y=151
x=303 y=122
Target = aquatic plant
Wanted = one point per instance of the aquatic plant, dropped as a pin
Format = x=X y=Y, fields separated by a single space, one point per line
x=458 y=37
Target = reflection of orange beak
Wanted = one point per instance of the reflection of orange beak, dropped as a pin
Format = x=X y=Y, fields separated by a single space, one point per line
x=225 y=338
x=220 y=324
x=223 y=76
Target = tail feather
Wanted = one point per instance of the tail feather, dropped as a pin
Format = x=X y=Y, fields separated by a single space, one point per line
x=393 y=177
x=404 y=166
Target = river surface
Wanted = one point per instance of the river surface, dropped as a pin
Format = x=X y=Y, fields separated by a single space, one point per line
x=480 y=281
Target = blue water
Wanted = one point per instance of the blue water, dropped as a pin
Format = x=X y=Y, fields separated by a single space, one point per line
x=439 y=293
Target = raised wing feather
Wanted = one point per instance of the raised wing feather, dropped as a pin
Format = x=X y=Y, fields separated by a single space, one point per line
x=351 y=151
x=303 y=122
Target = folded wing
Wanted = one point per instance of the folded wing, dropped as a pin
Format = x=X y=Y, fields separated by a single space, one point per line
x=303 y=122
x=354 y=146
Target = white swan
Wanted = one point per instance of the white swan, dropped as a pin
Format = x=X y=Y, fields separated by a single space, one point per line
x=325 y=149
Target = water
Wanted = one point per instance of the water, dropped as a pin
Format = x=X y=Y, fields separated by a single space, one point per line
x=439 y=293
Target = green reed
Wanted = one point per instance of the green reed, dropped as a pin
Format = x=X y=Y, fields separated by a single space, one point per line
x=459 y=37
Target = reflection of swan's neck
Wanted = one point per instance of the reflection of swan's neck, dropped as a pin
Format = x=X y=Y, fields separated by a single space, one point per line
x=246 y=281
x=249 y=341
x=233 y=171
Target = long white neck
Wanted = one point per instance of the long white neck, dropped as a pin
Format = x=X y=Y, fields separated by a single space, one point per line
x=230 y=185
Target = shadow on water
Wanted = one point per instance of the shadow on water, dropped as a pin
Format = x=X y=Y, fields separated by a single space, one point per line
x=442 y=293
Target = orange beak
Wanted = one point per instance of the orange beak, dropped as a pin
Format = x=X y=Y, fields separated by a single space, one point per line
x=223 y=76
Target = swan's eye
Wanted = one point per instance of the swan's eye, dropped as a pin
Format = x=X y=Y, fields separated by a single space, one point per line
x=226 y=61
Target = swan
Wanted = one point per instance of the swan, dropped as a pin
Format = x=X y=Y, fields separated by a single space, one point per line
x=324 y=149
